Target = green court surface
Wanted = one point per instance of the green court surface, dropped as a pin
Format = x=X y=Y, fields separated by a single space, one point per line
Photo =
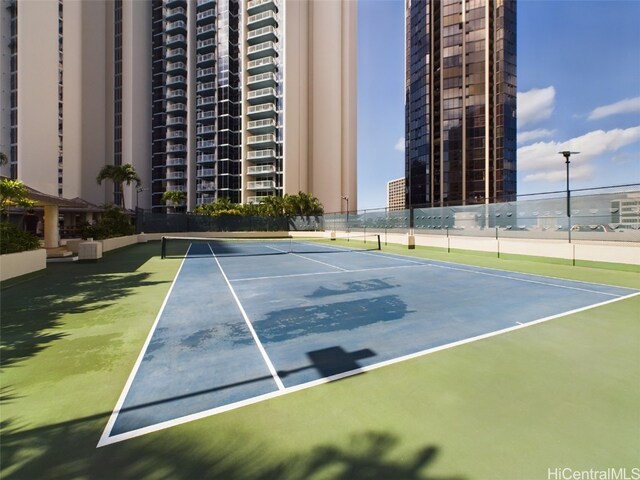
x=561 y=394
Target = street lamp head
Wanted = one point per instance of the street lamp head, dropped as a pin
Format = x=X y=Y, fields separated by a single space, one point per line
x=344 y=197
x=567 y=154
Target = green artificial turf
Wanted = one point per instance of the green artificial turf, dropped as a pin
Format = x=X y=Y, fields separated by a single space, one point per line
x=561 y=394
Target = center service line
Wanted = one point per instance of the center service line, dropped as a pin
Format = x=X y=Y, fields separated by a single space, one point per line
x=263 y=352
x=310 y=259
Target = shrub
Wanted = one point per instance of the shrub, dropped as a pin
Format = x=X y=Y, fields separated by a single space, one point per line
x=114 y=223
x=13 y=239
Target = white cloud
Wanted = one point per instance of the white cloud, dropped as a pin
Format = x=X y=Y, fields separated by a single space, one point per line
x=524 y=137
x=628 y=105
x=399 y=146
x=535 y=105
x=541 y=161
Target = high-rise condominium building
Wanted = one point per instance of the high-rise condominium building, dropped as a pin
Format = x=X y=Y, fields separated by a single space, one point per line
x=396 y=194
x=460 y=107
x=213 y=98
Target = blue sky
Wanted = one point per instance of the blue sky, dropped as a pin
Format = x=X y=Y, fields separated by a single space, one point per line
x=578 y=89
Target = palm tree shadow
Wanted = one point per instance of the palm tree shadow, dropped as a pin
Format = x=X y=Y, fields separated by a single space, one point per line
x=368 y=458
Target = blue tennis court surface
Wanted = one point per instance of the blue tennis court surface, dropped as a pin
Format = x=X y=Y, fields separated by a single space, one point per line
x=236 y=329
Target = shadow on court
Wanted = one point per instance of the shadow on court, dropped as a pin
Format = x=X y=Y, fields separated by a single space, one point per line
x=32 y=309
x=67 y=450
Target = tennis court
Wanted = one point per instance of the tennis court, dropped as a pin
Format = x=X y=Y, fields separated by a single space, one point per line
x=247 y=321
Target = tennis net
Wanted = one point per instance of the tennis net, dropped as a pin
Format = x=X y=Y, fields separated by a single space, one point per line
x=178 y=247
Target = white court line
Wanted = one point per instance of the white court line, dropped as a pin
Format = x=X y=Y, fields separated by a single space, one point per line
x=104 y=439
x=307 y=258
x=263 y=352
x=321 y=381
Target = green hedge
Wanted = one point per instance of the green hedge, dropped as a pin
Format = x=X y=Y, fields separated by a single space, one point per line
x=13 y=239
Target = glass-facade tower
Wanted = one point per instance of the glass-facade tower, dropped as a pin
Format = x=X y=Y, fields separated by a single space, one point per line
x=460 y=107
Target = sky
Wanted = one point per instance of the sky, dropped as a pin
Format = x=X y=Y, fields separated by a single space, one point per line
x=578 y=89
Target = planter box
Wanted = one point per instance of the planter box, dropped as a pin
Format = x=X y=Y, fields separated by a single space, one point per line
x=17 y=264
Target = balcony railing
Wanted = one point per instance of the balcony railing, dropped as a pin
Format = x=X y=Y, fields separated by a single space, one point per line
x=261 y=35
x=206 y=72
x=262 y=126
x=176 y=80
x=261 y=155
x=205 y=101
x=206 y=30
x=176 y=52
x=176 y=121
x=206 y=144
x=204 y=130
x=205 y=86
x=176 y=188
x=257 y=6
x=206 y=45
x=205 y=158
x=261 y=65
x=203 y=115
x=261 y=50
x=206 y=172
x=205 y=200
x=261 y=111
x=175 y=176
x=205 y=15
x=262 y=80
x=176 y=148
x=178 y=25
x=176 y=93
x=176 y=39
x=206 y=186
x=176 y=66
x=175 y=12
x=261 y=185
x=262 y=95
x=176 y=107
x=206 y=58
x=176 y=162
x=174 y=135
x=268 y=139
x=262 y=19
x=261 y=169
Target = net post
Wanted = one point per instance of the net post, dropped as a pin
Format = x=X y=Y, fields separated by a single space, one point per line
x=379 y=246
x=163 y=247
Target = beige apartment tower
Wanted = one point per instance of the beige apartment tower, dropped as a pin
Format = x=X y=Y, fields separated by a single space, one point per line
x=215 y=98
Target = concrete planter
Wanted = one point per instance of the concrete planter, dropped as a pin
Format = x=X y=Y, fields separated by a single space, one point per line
x=17 y=264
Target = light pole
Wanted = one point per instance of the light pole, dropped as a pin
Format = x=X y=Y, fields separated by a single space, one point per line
x=566 y=154
x=346 y=198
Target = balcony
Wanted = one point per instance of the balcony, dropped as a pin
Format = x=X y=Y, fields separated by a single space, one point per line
x=206 y=172
x=175 y=52
x=262 y=65
x=208 y=45
x=261 y=96
x=176 y=148
x=260 y=35
x=206 y=59
x=207 y=15
x=203 y=3
x=259 y=6
x=176 y=162
x=256 y=156
x=176 y=67
x=176 y=188
x=176 y=94
x=256 y=200
x=176 y=40
x=205 y=145
x=206 y=31
x=206 y=186
x=176 y=80
x=176 y=121
x=178 y=13
x=202 y=87
x=177 y=107
x=173 y=3
x=262 y=126
x=176 y=135
x=178 y=26
x=261 y=170
x=262 y=20
x=175 y=176
x=206 y=131
x=208 y=158
x=262 y=81
x=261 y=185
x=262 y=141
x=206 y=102
x=266 y=110
x=261 y=50
x=206 y=73
x=205 y=116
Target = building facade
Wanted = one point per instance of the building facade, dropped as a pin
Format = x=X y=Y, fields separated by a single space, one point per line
x=460 y=104
x=396 y=192
x=214 y=98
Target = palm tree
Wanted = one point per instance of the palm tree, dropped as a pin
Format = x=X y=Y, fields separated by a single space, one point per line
x=272 y=206
x=176 y=199
x=119 y=175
